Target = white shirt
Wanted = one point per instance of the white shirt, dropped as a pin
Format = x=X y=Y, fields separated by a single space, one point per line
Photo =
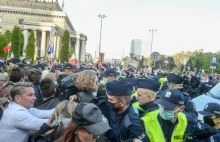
x=17 y=121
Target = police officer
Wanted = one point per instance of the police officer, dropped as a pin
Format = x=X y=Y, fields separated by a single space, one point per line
x=146 y=90
x=122 y=119
x=69 y=68
x=131 y=73
x=170 y=124
x=163 y=79
x=108 y=75
x=207 y=86
x=176 y=81
x=142 y=76
x=124 y=74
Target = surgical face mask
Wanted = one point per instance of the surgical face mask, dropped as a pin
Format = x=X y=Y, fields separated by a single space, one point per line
x=94 y=94
x=209 y=121
x=166 y=114
x=112 y=106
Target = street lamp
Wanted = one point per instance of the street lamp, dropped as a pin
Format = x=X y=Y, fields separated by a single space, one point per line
x=101 y=17
x=152 y=31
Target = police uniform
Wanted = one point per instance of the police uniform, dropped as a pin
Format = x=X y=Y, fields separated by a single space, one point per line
x=205 y=87
x=108 y=72
x=131 y=70
x=189 y=105
x=160 y=127
x=125 y=125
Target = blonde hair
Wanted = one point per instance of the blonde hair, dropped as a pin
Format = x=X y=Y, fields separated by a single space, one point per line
x=63 y=110
x=87 y=80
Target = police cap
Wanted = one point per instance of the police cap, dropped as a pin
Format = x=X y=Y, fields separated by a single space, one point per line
x=119 y=88
x=175 y=78
x=171 y=98
x=69 y=66
x=131 y=81
x=150 y=84
x=109 y=72
x=211 y=109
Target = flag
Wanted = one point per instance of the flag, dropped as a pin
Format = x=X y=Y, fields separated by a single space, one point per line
x=7 y=48
x=12 y=55
x=73 y=59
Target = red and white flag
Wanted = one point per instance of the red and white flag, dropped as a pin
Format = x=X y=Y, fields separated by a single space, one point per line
x=7 y=48
x=73 y=59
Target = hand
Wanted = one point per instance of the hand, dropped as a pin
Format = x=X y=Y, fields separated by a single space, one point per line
x=137 y=140
x=73 y=98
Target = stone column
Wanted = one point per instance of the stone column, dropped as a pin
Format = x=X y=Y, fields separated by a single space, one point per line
x=25 y=32
x=58 y=46
x=77 y=46
x=36 y=50
x=55 y=45
x=83 y=51
x=43 y=43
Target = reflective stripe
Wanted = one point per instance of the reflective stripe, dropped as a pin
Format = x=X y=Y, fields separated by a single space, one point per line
x=152 y=125
x=135 y=94
x=102 y=82
x=162 y=80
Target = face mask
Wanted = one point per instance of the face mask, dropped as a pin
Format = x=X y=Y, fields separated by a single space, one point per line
x=209 y=121
x=165 y=114
x=112 y=106
x=94 y=94
x=181 y=89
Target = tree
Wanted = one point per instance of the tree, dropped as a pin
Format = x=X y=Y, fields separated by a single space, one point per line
x=21 y=35
x=16 y=42
x=7 y=36
x=65 y=47
x=3 y=43
x=30 y=48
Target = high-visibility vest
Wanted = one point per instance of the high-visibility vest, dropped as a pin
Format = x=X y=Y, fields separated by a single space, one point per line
x=154 y=131
x=134 y=94
x=102 y=82
x=123 y=77
x=136 y=105
x=162 y=80
x=5 y=74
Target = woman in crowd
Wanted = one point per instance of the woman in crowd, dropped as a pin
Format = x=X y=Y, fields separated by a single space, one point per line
x=63 y=113
x=86 y=125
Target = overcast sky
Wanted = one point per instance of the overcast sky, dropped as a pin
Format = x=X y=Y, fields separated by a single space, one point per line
x=181 y=24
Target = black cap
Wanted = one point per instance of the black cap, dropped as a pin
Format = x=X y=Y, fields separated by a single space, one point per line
x=131 y=70
x=69 y=66
x=119 y=88
x=175 y=78
x=210 y=77
x=2 y=64
x=58 y=67
x=89 y=116
x=109 y=72
x=150 y=84
x=211 y=109
x=171 y=98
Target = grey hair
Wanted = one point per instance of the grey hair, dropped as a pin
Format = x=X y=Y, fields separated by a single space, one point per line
x=18 y=89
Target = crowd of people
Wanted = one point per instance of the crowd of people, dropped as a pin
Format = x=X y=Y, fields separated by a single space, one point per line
x=103 y=103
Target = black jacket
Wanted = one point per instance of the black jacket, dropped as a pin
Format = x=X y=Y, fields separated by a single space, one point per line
x=48 y=104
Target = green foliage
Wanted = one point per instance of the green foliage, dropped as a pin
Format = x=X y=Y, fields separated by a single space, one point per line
x=21 y=35
x=8 y=36
x=65 y=47
x=3 y=43
x=71 y=51
x=30 y=49
x=16 y=42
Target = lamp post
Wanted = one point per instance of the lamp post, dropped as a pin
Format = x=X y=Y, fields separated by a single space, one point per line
x=100 y=40
x=152 y=31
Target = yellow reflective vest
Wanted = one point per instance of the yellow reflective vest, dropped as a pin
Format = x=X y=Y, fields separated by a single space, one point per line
x=162 y=80
x=102 y=82
x=136 y=105
x=155 y=132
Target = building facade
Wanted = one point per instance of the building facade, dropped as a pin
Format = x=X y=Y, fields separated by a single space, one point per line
x=43 y=17
x=136 y=45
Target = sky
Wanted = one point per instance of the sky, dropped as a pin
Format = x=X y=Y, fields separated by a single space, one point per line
x=182 y=25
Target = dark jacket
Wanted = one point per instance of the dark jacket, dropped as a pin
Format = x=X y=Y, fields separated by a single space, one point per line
x=206 y=87
x=48 y=104
x=148 y=107
x=124 y=126
x=37 y=93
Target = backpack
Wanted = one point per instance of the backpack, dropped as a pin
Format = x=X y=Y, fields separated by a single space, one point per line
x=48 y=133
x=67 y=88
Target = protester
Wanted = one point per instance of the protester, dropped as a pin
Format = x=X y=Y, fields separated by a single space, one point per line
x=48 y=91
x=16 y=75
x=19 y=117
x=63 y=113
x=86 y=124
x=34 y=76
